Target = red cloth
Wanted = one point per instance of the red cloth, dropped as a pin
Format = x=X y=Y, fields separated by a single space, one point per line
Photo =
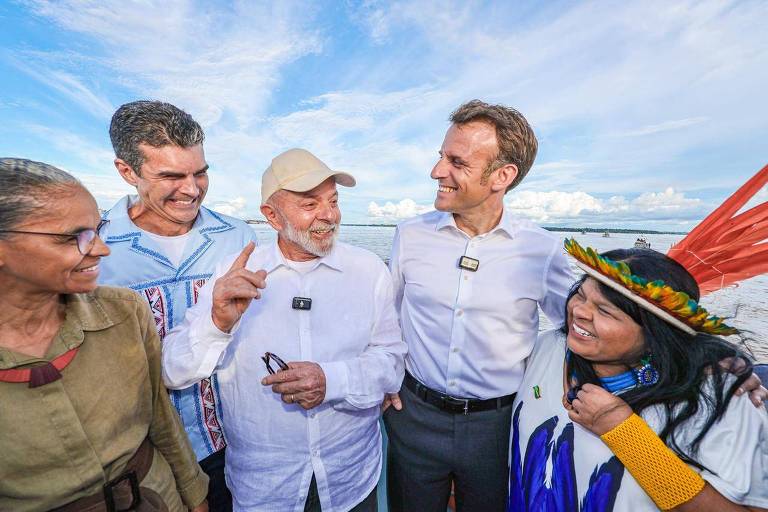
x=726 y=248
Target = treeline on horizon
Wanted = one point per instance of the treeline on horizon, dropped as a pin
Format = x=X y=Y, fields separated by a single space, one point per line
x=631 y=231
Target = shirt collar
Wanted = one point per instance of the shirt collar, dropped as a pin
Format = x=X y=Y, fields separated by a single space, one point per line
x=507 y=224
x=274 y=259
x=121 y=226
x=83 y=312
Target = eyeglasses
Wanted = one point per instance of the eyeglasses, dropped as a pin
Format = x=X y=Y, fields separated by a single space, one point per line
x=279 y=362
x=85 y=238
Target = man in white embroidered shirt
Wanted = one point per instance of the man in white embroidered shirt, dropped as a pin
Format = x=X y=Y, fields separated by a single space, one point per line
x=469 y=281
x=308 y=436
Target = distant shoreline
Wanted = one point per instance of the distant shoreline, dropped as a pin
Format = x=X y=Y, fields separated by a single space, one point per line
x=548 y=228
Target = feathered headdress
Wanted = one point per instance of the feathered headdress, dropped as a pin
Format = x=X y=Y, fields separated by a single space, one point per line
x=721 y=250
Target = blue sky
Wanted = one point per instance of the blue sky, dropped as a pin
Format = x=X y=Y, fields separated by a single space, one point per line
x=648 y=113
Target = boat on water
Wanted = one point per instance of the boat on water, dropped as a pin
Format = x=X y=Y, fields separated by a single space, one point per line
x=606 y=234
x=642 y=243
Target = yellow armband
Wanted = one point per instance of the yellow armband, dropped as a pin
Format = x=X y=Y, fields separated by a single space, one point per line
x=658 y=470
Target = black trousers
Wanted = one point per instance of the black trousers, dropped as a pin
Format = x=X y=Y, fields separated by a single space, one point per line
x=429 y=449
x=369 y=504
x=219 y=498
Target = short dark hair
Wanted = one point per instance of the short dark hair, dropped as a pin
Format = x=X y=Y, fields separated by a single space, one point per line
x=517 y=142
x=154 y=123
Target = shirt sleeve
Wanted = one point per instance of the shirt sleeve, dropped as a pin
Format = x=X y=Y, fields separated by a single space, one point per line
x=558 y=280
x=361 y=382
x=735 y=453
x=166 y=432
x=193 y=349
x=398 y=281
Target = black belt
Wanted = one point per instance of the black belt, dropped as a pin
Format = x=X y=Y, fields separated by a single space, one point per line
x=452 y=404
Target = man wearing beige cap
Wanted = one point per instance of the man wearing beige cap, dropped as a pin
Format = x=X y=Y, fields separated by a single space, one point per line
x=305 y=437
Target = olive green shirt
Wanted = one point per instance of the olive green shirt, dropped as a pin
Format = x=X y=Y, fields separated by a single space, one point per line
x=64 y=440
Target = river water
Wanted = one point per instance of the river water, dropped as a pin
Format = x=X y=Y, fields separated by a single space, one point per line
x=746 y=305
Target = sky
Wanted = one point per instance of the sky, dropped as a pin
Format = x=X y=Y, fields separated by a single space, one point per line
x=648 y=113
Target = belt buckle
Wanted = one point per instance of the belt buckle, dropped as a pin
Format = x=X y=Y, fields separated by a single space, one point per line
x=458 y=401
x=109 y=496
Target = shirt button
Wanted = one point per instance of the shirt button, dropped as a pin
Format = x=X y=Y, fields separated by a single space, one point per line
x=452 y=383
x=459 y=312
x=455 y=349
x=316 y=453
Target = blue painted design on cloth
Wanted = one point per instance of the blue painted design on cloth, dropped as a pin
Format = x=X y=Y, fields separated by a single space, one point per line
x=528 y=489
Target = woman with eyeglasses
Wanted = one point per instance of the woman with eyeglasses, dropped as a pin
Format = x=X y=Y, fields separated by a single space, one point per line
x=627 y=407
x=85 y=419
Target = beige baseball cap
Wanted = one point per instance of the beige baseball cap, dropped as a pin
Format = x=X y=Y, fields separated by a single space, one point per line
x=298 y=170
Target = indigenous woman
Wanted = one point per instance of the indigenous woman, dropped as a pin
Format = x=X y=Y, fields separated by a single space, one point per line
x=86 y=422
x=627 y=408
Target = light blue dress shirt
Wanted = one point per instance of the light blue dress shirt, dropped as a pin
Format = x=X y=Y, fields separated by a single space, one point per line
x=468 y=333
x=137 y=262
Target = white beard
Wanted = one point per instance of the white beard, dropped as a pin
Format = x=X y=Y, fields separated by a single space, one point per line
x=304 y=238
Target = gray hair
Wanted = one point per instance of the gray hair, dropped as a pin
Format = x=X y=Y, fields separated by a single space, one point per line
x=516 y=140
x=154 y=123
x=26 y=187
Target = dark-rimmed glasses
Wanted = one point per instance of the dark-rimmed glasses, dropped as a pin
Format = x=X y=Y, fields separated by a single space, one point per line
x=85 y=238
x=279 y=362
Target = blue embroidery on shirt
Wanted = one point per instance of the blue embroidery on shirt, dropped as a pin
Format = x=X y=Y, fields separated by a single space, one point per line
x=149 y=252
x=196 y=397
x=167 y=280
x=169 y=295
x=123 y=237
x=527 y=478
x=192 y=257
x=188 y=290
x=219 y=410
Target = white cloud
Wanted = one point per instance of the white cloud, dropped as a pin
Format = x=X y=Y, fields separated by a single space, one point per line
x=213 y=62
x=663 y=127
x=390 y=211
x=544 y=206
x=574 y=207
x=669 y=201
x=106 y=189
x=580 y=72
x=71 y=87
x=235 y=208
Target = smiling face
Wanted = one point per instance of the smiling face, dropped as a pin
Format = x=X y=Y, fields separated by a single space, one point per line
x=171 y=187
x=601 y=332
x=54 y=264
x=307 y=222
x=465 y=154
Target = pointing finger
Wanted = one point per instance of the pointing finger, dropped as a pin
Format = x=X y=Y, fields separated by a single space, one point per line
x=242 y=258
x=253 y=278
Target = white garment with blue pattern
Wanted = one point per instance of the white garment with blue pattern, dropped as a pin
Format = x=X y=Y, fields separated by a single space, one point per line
x=137 y=262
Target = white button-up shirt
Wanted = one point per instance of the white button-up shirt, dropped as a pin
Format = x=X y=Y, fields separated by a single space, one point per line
x=468 y=333
x=351 y=330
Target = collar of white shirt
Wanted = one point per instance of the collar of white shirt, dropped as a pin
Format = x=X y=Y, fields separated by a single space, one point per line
x=507 y=224
x=275 y=259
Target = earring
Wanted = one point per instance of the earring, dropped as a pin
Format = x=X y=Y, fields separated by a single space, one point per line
x=646 y=375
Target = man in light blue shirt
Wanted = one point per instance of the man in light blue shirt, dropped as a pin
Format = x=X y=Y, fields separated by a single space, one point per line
x=165 y=245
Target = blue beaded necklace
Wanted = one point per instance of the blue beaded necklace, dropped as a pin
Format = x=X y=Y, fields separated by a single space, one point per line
x=617 y=384
x=646 y=375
